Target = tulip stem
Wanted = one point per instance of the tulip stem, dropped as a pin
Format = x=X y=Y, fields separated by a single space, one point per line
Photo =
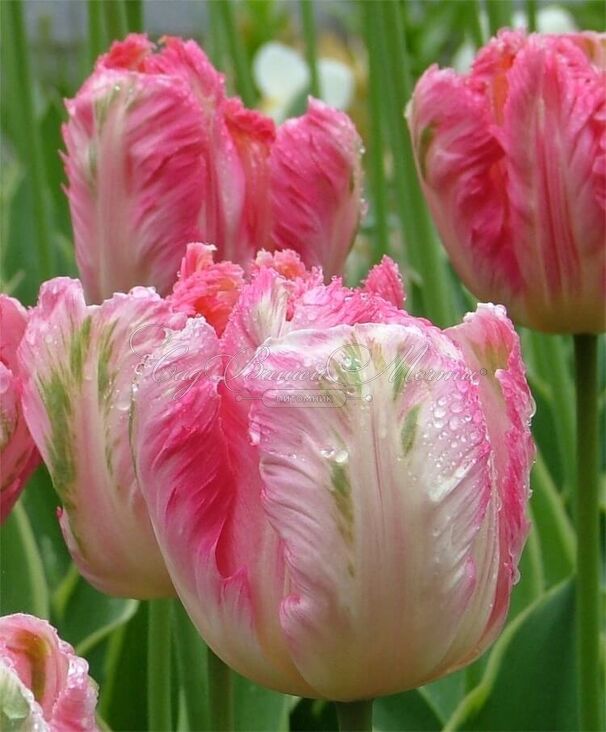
x=376 y=143
x=309 y=33
x=115 y=19
x=588 y=541
x=220 y=692
x=159 y=666
x=355 y=716
x=237 y=52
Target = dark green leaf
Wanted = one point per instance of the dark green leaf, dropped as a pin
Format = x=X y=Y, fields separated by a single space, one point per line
x=530 y=681
x=402 y=712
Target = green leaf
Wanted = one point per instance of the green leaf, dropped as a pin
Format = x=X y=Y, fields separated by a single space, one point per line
x=553 y=525
x=446 y=694
x=257 y=709
x=531 y=584
x=193 y=670
x=41 y=502
x=89 y=616
x=23 y=585
x=529 y=683
x=411 y=710
x=123 y=694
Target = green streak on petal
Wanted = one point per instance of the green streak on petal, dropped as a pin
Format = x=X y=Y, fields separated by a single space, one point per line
x=105 y=378
x=351 y=366
x=409 y=430
x=341 y=492
x=425 y=141
x=102 y=105
x=92 y=167
x=56 y=399
x=79 y=348
x=399 y=376
x=37 y=651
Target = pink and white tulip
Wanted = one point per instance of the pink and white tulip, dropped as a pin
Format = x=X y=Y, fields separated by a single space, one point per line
x=44 y=685
x=349 y=493
x=157 y=155
x=18 y=454
x=79 y=363
x=512 y=160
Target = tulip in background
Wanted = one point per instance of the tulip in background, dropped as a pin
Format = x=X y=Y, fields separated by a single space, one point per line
x=346 y=549
x=79 y=363
x=158 y=155
x=18 y=454
x=44 y=685
x=512 y=160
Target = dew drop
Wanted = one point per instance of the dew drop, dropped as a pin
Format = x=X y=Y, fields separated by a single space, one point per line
x=341 y=457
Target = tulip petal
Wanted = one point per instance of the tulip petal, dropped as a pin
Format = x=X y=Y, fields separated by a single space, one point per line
x=18 y=454
x=460 y=165
x=491 y=346
x=337 y=305
x=61 y=691
x=205 y=287
x=18 y=708
x=260 y=313
x=384 y=279
x=230 y=582
x=233 y=208
x=556 y=105
x=80 y=362
x=134 y=165
x=381 y=504
x=316 y=180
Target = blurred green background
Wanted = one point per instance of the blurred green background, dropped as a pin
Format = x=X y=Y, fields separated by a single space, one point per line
x=527 y=680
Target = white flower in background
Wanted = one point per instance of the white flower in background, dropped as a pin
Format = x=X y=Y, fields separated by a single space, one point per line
x=282 y=76
x=550 y=19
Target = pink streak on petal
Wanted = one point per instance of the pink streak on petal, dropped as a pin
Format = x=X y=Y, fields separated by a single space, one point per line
x=316 y=180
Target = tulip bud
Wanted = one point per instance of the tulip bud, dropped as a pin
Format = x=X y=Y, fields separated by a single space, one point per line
x=158 y=155
x=18 y=454
x=43 y=684
x=377 y=470
x=512 y=160
x=79 y=363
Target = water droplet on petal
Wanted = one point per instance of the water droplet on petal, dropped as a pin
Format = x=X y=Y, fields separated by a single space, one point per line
x=341 y=457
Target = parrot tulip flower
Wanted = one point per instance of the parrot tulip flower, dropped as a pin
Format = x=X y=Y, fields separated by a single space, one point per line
x=44 y=686
x=157 y=155
x=512 y=160
x=79 y=362
x=352 y=495
x=18 y=454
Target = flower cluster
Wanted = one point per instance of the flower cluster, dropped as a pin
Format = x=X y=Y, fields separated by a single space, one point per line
x=327 y=482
